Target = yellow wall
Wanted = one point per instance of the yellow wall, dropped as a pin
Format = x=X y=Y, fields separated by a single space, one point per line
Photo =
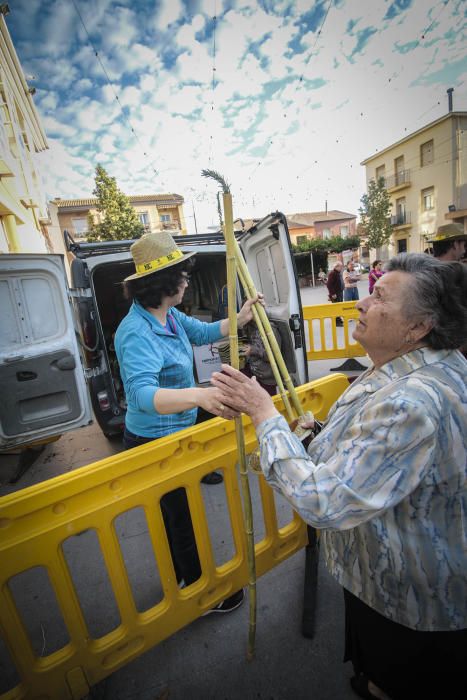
x=446 y=175
x=308 y=231
x=176 y=225
x=22 y=203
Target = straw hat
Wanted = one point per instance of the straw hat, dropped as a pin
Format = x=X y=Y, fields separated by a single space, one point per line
x=449 y=232
x=155 y=251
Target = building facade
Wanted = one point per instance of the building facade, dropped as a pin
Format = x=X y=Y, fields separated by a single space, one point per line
x=425 y=175
x=23 y=210
x=321 y=224
x=157 y=212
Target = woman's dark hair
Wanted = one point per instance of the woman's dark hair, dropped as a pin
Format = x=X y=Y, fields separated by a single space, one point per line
x=438 y=291
x=150 y=290
x=374 y=263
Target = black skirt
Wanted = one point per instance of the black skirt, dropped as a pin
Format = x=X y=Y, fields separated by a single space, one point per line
x=403 y=662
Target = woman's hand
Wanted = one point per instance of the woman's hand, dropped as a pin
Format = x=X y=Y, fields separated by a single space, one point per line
x=242 y=394
x=246 y=314
x=211 y=400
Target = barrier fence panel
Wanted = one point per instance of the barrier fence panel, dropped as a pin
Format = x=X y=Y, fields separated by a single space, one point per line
x=64 y=560
x=323 y=340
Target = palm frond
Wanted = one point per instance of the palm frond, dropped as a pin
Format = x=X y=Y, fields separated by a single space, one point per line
x=218 y=178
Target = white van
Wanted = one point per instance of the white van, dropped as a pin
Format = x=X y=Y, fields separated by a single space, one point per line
x=58 y=367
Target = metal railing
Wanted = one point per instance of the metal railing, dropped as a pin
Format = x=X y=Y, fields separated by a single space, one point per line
x=402 y=177
x=401 y=219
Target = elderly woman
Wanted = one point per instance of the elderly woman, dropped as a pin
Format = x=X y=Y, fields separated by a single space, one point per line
x=154 y=350
x=385 y=480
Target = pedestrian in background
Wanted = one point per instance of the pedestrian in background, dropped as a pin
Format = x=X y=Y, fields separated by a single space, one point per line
x=375 y=273
x=335 y=285
x=450 y=242
x=351 y=277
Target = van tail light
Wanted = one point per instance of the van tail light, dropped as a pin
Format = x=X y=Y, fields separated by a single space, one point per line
x=103 y=398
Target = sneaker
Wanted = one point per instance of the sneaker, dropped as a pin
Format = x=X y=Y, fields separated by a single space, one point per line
x=229 y=604
x=212 y=478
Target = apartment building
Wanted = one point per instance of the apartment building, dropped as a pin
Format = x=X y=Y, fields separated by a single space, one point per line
x=23 y=210
x=157 y=212
x=426 y=178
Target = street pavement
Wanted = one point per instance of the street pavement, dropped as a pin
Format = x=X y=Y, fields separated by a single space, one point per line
x=207 y=659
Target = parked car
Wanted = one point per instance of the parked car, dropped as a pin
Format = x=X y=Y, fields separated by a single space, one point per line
x=57 y=359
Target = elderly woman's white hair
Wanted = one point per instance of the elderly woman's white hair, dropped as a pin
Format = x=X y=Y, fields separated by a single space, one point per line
x=438 y=292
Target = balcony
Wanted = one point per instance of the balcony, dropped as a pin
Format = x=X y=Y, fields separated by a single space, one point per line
x=401 y=219
x=398 y=181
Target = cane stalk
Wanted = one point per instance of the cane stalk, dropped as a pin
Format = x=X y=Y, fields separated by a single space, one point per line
x=265 y=326
x=268 y=348
x=234 y=360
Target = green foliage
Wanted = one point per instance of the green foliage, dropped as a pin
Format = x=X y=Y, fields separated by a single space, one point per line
x=120 y=221
x=329 y=245
x=321 y=248
x=375 y=214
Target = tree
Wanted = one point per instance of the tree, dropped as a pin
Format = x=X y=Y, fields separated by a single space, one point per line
x=119 y=219
x=321 y=248
x=375 y=214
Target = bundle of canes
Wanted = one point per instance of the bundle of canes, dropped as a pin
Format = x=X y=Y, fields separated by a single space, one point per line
x=234 y=361
x=236 y=264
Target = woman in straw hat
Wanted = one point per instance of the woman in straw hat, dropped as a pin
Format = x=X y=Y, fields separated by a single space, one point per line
x=154 y=350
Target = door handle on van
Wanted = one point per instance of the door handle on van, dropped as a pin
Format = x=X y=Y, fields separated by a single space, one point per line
x=14 y=358
x=66 y=363
x=25 y=376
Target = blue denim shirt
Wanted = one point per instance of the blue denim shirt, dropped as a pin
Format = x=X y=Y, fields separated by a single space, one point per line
x=386 y=478
x=151 y=357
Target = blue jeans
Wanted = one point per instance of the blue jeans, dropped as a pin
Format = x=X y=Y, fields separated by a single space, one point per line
x=178 y=524
x=351 y=294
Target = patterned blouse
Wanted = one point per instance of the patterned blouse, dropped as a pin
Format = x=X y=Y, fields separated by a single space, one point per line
x=386 y=480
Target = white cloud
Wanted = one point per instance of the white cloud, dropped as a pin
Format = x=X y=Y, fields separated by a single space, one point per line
x=83 y=85
x=169 y=12
x=57 y=128
x=48 y=102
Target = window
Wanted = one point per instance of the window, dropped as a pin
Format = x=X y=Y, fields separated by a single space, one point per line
x=428 y=198
x=143 y=216
x=402 y=245
x=301 y=239
x=427 y=153
x=326 y=233
x=344 y=231
x=80 y=227
x=165 y=218
x=380 y=173
x=399 y=170
x=400 y=211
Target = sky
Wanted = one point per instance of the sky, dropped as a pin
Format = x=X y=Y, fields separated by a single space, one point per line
x=284 y=98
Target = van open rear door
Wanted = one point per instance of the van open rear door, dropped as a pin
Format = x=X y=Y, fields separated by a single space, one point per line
x=268 y=254
x=43 y=386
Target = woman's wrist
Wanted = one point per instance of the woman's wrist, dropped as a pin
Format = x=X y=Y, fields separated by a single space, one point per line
x=262 y=413
x=240 y=321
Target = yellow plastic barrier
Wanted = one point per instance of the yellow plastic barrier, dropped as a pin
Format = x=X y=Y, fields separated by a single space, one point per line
x=323 y=342
x=36 y=525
